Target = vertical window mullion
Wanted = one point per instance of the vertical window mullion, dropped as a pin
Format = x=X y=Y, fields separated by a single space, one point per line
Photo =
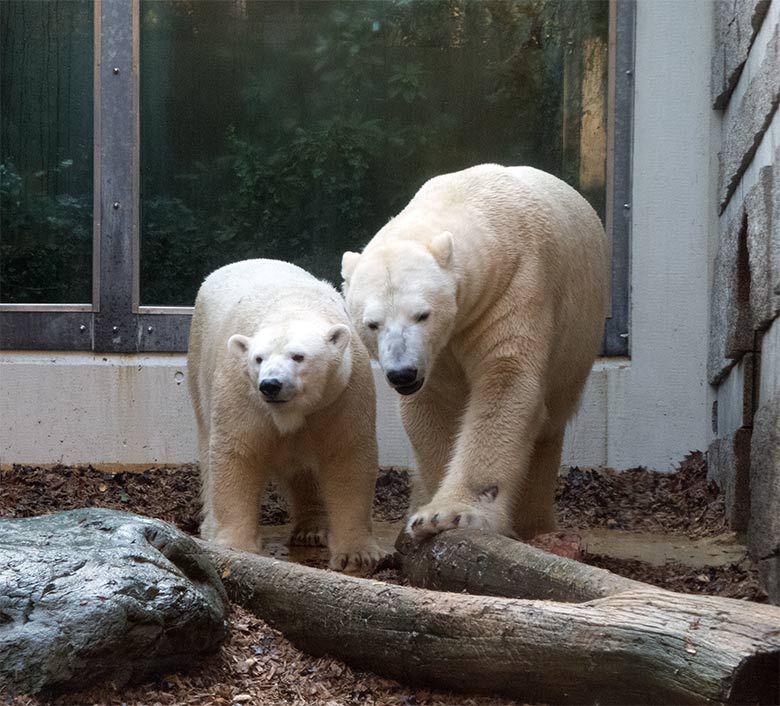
x=619 y=206
x=117 y=160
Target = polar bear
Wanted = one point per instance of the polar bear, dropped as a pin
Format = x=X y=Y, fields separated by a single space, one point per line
x=282 y=388
x=484 y=303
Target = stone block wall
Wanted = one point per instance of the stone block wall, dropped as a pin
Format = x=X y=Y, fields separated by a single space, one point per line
x=744 y=345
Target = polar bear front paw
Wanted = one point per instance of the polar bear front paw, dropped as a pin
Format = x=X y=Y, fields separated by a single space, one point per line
x=361 y=558
x=440 y=516
x=309 y=533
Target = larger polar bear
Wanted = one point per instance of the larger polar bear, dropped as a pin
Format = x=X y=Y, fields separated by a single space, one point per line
x=281 y=388
x=484 y=302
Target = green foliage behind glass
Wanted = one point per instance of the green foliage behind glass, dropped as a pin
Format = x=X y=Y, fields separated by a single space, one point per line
x=46 y=52
x=46 y=244
x=295 y=130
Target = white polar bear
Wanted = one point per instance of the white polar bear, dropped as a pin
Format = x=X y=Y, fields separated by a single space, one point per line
x=282 y=388
x=484 y=303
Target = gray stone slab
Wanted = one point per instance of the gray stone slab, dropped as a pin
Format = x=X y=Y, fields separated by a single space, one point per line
x=769 y=575
x=747 y=122
x=764 y=527
x=94 y=595
x=774 y=239
x=736 y=25
x=728 y=465
x=759 y=206
x=768 y=374
x=735 y=397
x=731 y=332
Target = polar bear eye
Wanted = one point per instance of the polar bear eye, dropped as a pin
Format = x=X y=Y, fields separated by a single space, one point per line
x=373 y=325
x=258 y=359
x=297 y=357
x=423 y=316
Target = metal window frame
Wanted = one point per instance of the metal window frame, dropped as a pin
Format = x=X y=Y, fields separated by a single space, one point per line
x=115 y=322
x=620 y=139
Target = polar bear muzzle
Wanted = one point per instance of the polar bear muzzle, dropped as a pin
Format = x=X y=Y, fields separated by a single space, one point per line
x=405 y=380
x=270 y=389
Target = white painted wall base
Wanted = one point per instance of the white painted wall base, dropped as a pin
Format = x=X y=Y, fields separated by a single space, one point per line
x=79 y=409
x=651 y=411
x=135 y=410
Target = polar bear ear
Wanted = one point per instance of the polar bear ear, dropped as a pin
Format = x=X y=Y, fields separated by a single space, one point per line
x=349 y=262
x=238 y=344
x=338 y=336
x=441 y=248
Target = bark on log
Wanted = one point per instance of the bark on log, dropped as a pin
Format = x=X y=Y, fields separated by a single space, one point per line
x=493 y=565
x=641 y=646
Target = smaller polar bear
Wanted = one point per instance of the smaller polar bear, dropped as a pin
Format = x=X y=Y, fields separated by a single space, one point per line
x=483 y=301
x=282 y=388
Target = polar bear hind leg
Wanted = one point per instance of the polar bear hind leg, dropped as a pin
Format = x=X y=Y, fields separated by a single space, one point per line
x=534 y=511
x=309 y=520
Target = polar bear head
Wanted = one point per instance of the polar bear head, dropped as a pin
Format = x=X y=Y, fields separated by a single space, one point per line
x=294 y=368
x=401 y=296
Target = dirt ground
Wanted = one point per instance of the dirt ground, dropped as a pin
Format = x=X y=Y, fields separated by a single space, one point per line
x=259 y=666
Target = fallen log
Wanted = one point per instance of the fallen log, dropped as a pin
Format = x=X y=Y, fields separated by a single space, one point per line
x=639 y=646
x=494 y=565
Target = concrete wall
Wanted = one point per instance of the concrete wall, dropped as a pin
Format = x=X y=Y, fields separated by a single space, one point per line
x=77 y=409
x=657 y=409
x=744 y=350
x=648 y=410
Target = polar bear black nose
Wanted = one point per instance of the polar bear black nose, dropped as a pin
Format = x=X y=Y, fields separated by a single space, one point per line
x=270 y=387
x=402 y=376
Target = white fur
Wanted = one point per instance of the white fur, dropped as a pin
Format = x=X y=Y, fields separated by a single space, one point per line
x=510 y=264
x=261 y=320
x=305 y=355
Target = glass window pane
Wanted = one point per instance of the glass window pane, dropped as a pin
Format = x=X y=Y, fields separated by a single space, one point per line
x=46 y=129
x=295 y=129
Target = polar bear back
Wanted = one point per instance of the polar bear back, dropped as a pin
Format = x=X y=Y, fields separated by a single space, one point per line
x=243 y=295
x=264 y=283
x=496 y=200
x=501 y=217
